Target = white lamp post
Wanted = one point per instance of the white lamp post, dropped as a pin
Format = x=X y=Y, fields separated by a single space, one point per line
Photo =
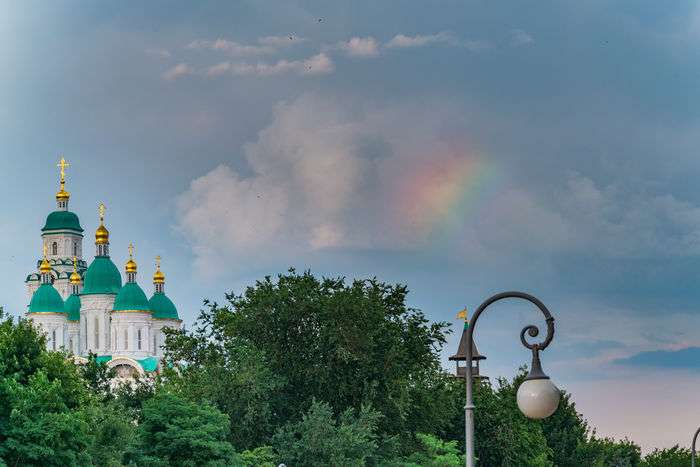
x=537 y=396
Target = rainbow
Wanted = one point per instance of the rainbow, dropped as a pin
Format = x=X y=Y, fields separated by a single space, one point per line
x=442 y=193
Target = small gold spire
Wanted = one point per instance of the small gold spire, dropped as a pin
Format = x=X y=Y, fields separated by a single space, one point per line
x=75 y=277
x=62 y=194
x=131 y=264
x=45 y=267
x=158 y=276
x=102 y=234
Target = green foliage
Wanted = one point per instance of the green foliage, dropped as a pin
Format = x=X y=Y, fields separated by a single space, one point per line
x=565 y=431
x=232 y=375
x=321 y=440
x=112 y=432
x=40 y=429
x=671 y=457
x=433 y=452
x=259 y=457
x=504 y=436
x=326 y=340
x=606 y=452
x=177 y=432
x=97 y=376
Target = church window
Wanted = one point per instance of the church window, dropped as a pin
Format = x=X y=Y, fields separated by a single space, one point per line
x=155 y=342
x=70 y=344
x=97 y=333
x=75 y=248
x=138 y=339
x=54 y=248
x=53 y=340
x=126 y=339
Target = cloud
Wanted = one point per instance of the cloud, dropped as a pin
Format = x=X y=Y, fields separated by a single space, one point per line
x=360 y=47
x=401 y=41
x=321 y=172
x=179 y=70
x=265 y=45
x=332 y=173
x=419 y=40
x=687 y=359
x=518 y=37
x=316 y=65
x=232 y=48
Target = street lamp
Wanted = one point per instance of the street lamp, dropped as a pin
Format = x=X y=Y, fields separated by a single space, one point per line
x=537 y=396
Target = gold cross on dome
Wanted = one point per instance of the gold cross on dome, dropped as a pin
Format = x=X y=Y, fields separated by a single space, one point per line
x=101 y=209
x=75 y=264
x=131 y=250
x=158 y=262
x=63 y=164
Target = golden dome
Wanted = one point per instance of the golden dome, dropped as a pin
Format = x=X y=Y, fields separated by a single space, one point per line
x=131 y=264
x=75 y=277
x=45 y=267
x=158 y=276
x=101 y=235
x=62 y=195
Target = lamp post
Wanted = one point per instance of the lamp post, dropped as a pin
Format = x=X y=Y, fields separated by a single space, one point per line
x=692 y=449
x=537 y=396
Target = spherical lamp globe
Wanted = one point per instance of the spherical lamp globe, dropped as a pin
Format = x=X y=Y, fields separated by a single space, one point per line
x=538 y=398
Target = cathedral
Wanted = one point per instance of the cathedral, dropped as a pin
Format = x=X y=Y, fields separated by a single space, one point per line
x=85 y=309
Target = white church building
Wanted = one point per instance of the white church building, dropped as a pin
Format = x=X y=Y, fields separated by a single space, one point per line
x=86 y=308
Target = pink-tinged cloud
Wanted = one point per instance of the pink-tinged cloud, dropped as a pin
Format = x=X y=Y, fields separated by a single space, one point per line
x=178 y=71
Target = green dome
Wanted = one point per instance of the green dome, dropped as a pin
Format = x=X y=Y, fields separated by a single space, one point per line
x=162 y=307
x=131 y=298
x=72 y=307
x=102 y=277
x=62 y=220
x=46 y=299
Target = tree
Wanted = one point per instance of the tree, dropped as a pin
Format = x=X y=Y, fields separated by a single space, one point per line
x=606 y=452
x=503 y=435
x=344 y=344
x=177 y=432
x=321 y=440
x=40 y=429
x=433 y=452
x=98 y=377
x=671 y=457
x=232 y=375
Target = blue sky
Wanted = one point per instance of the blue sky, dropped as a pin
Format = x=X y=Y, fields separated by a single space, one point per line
x=460 y=147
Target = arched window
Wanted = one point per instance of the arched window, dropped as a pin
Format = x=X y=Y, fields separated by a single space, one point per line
x=138 y=339
x=53 y=340
x=155 y=342
x=97 y=333
x=54 y=248
x=75 y=248
x=126 y=339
